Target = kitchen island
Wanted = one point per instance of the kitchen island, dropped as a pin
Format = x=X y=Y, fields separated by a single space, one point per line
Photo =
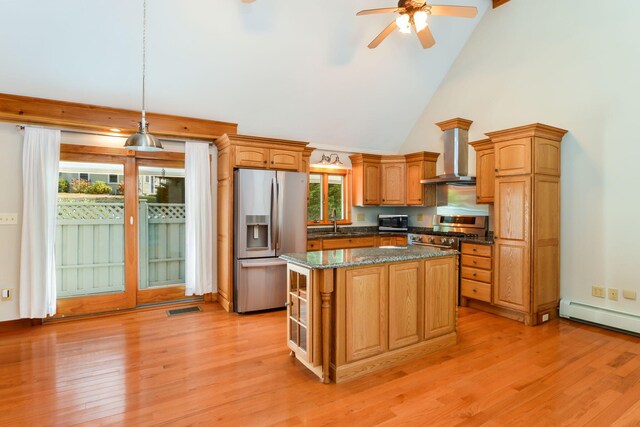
x=354 y=311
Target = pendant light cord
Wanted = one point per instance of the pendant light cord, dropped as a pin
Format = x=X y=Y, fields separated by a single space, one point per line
x=144 y=57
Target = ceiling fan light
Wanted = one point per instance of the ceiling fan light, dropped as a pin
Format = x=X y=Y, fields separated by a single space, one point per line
x=420 y=20
x=403 y=23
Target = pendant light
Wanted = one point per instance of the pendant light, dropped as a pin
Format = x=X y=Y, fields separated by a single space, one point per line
x=143 y=140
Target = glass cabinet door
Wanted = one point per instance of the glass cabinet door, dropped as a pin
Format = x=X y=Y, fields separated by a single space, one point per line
x=298 y=310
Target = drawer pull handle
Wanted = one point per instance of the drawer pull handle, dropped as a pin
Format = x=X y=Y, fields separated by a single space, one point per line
x=475 y=250
x=475 y=290
x=475 y=274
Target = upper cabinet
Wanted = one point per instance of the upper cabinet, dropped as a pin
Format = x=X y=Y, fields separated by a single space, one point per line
x=265 y=153
x=513 y=157
x=393 y=180
x=366 y=179
x=421 y=166
x=485 y=171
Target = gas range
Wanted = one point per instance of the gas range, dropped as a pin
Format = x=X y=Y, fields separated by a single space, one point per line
x=448 y=229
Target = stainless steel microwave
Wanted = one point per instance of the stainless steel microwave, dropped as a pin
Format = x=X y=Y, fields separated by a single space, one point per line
x=393 y=222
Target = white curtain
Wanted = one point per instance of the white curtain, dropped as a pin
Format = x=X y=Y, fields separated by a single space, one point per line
x=40 y=161
x=199 y=231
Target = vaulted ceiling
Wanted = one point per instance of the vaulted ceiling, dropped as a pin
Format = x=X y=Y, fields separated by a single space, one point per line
x=279 y=68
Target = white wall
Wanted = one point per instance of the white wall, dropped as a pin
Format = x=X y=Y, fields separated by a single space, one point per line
x=10 y=202
x=574 y=64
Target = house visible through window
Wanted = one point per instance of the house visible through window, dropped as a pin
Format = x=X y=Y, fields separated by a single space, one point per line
x=328 y=196
x=113 y=179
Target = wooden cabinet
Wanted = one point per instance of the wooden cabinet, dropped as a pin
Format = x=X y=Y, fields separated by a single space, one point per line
x=387 y=313
x=405 y=291
x=393 y=180
x=475 y=272
x=513 y=157
x=527 y=221
x=366 y=317
x=485 y=171
x=284 y=160
x=251 y=157
x=365 y=180
x=314 y=245
x=266 y=158
x=348 y=242
x=355 y=242
x=303 y=315
x=420 y=166
x=242 y=151
x=392 y=241
x=440 y=297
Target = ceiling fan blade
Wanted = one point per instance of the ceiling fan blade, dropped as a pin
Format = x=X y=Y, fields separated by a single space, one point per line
x=383 y=35
x=426 y=37
x=383 y=10
x=458 y=11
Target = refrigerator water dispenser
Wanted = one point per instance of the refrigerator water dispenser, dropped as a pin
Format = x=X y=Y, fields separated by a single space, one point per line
x=257 y=232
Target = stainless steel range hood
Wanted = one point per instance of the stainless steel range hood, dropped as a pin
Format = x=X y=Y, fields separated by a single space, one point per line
x=456 y=153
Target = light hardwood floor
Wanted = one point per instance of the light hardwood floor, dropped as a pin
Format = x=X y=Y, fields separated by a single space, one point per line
x=219 y=368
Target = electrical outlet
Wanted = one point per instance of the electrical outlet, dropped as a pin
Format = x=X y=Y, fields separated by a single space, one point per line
x=597 y=291
x=545 y=317
x=627 y=294
x=360 y=217
x=7 y=295
x=8 y=218
x=420 y=217
x=613 y=294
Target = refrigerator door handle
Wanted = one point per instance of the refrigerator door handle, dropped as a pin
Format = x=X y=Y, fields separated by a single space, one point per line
x=274 y=213
x=278 y=228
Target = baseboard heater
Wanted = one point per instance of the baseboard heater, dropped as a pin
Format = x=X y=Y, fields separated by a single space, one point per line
x=619 y=320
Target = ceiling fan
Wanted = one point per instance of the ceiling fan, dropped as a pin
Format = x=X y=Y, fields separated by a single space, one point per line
x=415 y=14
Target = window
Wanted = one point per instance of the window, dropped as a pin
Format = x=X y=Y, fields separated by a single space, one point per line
x=84 y=176
x=328 y=196
x=113 y=179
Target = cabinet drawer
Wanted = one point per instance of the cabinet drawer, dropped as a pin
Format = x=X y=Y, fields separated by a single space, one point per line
x=477 y=262
x=353 y=242
x=475 y=290
x=314 y=245
x=476 y=249
x=476 y=274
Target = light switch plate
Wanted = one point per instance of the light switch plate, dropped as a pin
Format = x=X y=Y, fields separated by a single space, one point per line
x=8 y=218
x=420 y=217
x=7 y=294
x=627 y=294
x=360 y=217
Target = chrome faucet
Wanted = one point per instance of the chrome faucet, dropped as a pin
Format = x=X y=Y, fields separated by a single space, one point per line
x=334 y=218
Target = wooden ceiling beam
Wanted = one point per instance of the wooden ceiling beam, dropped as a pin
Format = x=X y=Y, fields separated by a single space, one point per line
x=497 y=3
x=71 y=115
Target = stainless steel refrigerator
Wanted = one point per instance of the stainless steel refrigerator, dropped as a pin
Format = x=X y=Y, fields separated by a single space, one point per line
x=270 y=219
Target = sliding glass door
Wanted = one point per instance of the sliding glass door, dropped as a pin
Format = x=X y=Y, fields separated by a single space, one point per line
x=93 y=235
x=120 y=236
x=161 y=225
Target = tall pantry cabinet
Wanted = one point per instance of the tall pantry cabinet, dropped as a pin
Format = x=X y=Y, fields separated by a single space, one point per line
x=527 y=221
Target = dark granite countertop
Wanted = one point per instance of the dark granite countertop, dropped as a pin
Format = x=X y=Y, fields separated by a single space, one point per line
x=480 y=240
x=327 y=233
x=365 y=256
